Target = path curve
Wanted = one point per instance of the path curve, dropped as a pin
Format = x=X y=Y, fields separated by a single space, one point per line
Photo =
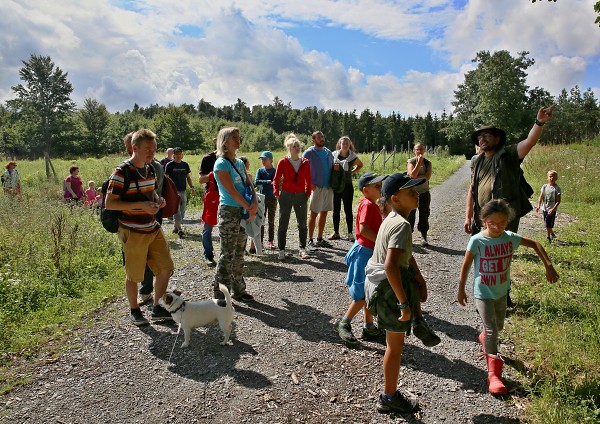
x=286 y=363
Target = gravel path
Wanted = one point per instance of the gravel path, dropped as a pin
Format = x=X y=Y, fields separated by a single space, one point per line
x=286 y=362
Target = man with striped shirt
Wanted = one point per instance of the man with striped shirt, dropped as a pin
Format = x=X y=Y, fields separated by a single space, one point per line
x=140 y=233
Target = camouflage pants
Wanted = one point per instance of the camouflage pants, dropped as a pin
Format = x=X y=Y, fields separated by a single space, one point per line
x=233 y=237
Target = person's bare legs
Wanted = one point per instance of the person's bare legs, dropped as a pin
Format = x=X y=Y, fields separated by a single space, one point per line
x=131 y=288
x=391 y=361
x=321 y=224
x=160 y=285
x=312 y=219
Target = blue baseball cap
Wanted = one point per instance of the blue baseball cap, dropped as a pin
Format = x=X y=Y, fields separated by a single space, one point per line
x=266 y=155
x=369 y=178
x=398 y=181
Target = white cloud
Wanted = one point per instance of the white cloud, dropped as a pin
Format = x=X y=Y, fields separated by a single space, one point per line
x=122 y=57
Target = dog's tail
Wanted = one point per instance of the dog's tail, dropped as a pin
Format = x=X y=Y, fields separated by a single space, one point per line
x=224 y=290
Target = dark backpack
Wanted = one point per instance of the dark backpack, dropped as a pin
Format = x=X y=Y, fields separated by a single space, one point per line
x=108 y=217
x=338 y=180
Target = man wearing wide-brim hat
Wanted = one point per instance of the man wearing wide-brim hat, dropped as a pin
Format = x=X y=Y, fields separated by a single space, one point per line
x=496 y=172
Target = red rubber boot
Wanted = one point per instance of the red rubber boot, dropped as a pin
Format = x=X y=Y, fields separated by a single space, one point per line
x=495 y=384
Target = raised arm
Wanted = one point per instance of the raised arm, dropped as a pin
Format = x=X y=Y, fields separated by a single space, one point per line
x=544 y=115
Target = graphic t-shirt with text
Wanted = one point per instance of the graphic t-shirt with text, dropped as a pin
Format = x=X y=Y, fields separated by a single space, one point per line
x=492 y=263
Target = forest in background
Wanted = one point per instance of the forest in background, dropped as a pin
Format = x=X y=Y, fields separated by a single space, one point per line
x=42 y=120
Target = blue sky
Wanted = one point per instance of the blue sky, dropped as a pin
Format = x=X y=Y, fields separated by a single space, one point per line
x=406 y=56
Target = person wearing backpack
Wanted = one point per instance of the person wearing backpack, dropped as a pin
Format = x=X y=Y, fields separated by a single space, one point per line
x=419 y=167
x=139 y=231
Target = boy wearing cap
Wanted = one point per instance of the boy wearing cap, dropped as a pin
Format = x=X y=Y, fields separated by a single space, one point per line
x=394 y=285
x=181 y=174
x=264 y=182
x=368 y=220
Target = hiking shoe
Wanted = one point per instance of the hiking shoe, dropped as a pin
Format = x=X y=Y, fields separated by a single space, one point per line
x=350 y=237
x=424 y=241
x=244 y=297
x=322 y=243
x=252 y=251
x=334 y=236
x=398 y=403
x=549 y=239
x=553 y=235
x=345 y=331
x=138 y=318
x=176 y=230
x=304 y=254
x=373 y=334
x=281 y=255
x=144 y=299
x=423 y=332
x=311 y=245
x=160 y=314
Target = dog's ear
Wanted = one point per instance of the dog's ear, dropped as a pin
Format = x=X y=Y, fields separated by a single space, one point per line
x=168 y=299
x=178 y=292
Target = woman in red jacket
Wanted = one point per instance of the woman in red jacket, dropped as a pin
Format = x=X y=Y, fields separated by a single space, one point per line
x=293 y=193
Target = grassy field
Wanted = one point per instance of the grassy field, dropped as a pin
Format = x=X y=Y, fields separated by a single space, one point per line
x=58 y=266
x=556 y=326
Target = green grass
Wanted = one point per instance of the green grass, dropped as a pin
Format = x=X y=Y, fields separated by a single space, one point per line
x=556 y=327
x=58 y=265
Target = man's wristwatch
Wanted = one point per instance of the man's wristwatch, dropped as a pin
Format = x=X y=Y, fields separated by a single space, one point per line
x=402 y=305
x=539 y=123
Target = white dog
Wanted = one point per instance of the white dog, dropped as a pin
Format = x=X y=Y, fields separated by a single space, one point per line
x=196 y=314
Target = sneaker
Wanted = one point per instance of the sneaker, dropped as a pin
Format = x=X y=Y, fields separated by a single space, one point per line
x=180 y=232
x=144 y=299
x=322 y=243
x=160 y=314
x=553 y=235
x=350 y=237
x=210 y=262
x=281 y=255
x=304 y=254
x=398 y=403
x=334 y=236
x=138 y=318
x=176 y=230
x=345 y=331
x=271 y=245
x=422 y=331
x=373 y=334
x=244 y=297
x=549 y=239
x=424 y=241
x=252 y=251
x=311 y=245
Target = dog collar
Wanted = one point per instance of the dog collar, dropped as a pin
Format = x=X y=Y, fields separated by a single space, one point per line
x=182 y=307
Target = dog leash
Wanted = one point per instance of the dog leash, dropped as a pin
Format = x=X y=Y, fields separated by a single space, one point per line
x=180 y=308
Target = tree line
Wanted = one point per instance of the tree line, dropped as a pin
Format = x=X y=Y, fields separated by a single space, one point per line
x=43 y=120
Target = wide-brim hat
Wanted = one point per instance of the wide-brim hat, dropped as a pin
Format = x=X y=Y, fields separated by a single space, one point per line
x=398 y=181
x=494 y=130
x=369 y=178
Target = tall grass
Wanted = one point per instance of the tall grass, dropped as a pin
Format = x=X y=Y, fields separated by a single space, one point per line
x=556 y=327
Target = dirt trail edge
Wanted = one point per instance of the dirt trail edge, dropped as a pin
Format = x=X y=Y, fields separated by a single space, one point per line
x=286 y=362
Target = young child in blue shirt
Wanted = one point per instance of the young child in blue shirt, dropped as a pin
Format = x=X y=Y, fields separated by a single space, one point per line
x=368 y=221
x=491 y=251
x=264 y=183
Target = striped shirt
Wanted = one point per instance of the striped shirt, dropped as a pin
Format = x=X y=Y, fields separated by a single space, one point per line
x=137 y=220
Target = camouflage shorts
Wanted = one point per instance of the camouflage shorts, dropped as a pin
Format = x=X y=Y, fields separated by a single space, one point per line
x=384 y=304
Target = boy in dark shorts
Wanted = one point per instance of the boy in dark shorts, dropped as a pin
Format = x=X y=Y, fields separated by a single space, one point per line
x=395 y=285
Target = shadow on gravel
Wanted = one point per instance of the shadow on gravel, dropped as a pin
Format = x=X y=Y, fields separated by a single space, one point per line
x=274 y=272
x=309 y=323
x=469 y=376
x=454 y=331
x=205 y=360
x=438 y=249
x=492 y=419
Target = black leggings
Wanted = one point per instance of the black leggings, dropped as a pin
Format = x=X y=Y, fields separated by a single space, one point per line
x=347 y=196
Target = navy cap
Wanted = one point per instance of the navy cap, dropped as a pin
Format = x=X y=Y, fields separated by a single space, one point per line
x=369 y=178
x=398 y=181
x=177 y=150
x=266 y=155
